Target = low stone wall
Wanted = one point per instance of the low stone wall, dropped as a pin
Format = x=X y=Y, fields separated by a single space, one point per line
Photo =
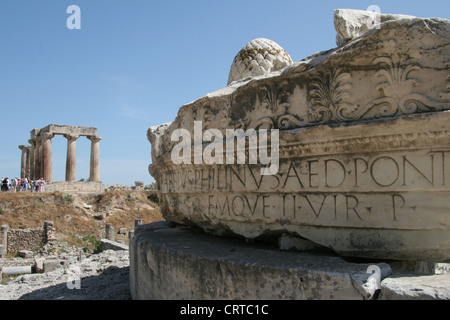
x=14 y=240
x=84 y=186
x=23 y=239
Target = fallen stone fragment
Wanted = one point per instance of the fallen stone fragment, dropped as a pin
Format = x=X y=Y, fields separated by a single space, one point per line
x=410 y=287
x=51 y=264
x=351 y=24
x=17 y=270
x=111 y=245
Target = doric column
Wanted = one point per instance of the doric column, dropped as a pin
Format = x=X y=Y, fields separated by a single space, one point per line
x=95 y=158
x=71 y=161
x=37 y=159
x=47 y=156
x=32 y=160
x=23 y=161
x=27 y=164
x=40 y=159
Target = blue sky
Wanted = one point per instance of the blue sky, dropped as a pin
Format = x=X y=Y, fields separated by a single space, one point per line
x=134 y=63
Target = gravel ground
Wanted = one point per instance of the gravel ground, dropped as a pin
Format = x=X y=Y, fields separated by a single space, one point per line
x=103 y=276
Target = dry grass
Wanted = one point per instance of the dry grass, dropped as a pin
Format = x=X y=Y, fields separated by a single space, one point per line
x=123 y=207
x=120 y=208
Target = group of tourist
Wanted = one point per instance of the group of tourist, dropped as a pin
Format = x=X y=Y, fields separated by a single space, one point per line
x=25 y=184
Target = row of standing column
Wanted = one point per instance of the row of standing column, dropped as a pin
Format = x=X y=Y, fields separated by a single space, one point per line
x=36 y=161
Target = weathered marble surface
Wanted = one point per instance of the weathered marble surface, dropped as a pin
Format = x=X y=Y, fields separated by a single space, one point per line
x=259 y=57
x=351 y=24
x=364 y=149
x=425 y=287
x=179 y=264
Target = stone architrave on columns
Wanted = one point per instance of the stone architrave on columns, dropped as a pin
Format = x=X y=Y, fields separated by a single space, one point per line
x=47 y=157
x=71 y=167
x=95 y=158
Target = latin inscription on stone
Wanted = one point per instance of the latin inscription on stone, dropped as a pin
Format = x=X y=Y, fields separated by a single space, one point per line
x=360 y=190
x=394 y=171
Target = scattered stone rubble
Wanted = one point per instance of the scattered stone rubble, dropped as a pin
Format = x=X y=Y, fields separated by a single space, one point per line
x=138 y=185
x=63 y=272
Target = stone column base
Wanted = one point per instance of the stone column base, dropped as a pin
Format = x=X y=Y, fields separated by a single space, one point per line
x=180 y=263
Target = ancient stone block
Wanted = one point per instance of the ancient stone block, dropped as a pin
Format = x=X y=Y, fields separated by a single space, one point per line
x=177 y=263
x=109 y=232
x=348 y=148
x=351 y=24
x=50 y=231
x=39 y=264
x=435 y=287
x=65 y=130
x=111 y=245
x=51 y=265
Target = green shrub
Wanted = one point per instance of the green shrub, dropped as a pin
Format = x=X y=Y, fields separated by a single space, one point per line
x=130 y=198
x=68 y=198
x=91 y=242
x=153 y=197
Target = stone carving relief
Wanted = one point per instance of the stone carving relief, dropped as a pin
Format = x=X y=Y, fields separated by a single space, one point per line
x=275 y=105
x=328 y=92
x=398 y=83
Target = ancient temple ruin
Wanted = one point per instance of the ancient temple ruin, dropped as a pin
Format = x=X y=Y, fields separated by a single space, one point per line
x=36 y=160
